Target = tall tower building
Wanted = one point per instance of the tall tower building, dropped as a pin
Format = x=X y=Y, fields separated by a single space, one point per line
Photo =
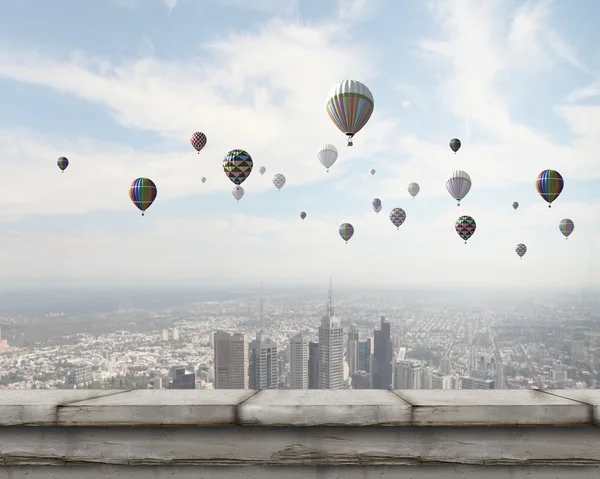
x=331 y=349
x=365 y=348
x=262 y=364
x=298 y=362
x=352 y=350
x=231 y=360
x=382 y=371
x=313 y=365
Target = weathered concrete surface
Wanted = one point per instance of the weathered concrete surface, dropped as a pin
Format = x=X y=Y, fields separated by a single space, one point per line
x=38 y=408
x=156 y=408
x=494 y=408
x=235 y=445
x=362 y=407
x=297 y=472
x=587 y=396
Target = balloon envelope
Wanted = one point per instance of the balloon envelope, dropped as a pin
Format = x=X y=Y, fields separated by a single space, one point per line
x=346 y=231
x=515 y=205
x=458 y=185
x=397 y=217
x=142 y=193
x=350 y=105
x=566 y=227
x=262 y=170
x=302 y=214
x=549 y=185
x=62 y=163
x=465 y=227
x=198 y=141
x=373 y=172
x=237 y=166
x=455 y=144
x=521 y=249
x=279 y=181
x=203 y=180
x=413 y=189
x=327 y=155
x=376 y=205
x=237 y=192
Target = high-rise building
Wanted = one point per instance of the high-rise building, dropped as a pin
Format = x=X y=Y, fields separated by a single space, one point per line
x=352 y=350
x=298 y=377
x=439 y=381
x=364 y=355
x=476 y=383
x=313 y=365
x=407 y=374
x=262 y=364
x=361 y=380
x=381 y=367
x=230 y=360
x=181 y=379
x=331 y=350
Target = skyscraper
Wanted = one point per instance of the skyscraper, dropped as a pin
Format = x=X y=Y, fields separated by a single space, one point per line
x=262 y=364
x=313 y=365
x=352 y=350
x=298 y=362
x=231 y=360
x=331 y=350
x=382 y=368
x=364 y=355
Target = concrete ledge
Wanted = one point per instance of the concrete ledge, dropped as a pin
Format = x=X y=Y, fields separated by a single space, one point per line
x=299 y=408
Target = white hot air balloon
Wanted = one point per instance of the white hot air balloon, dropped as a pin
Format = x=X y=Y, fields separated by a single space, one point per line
x=350 y=105
x=458 y=185
x=327 y=155
x=237 y=192
x=279 y=181
x=413 y=189
x=262 y=170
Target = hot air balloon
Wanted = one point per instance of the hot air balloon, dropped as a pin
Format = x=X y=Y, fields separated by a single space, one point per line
x=203 y=179
x=143 y=193
x=549 y=185
x=465 y=227
x=566 y=227
x=238 y=166
x=397 y=217
x=413 y=189
x=521 y=249
x=376 y=205
x=198 y=141
x=302 y=214
x=262 y=170
x=62 y=163
x=515 y=205
x=373 y=172
x=237 y=192
x=279 y=181
x=346 y=231
x=458 y=185
x=455 y=144
x=327 y=155
x=350 y=105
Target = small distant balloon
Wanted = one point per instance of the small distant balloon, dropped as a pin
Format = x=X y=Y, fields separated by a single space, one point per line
x=373 y=172
x=262 y=170
x=346 y=231
x=203 y=180
x=279 y=181
x=302 y=214
x=549 y=185
x=198 y=141
x=406 y=104
x=397 y=217
x=327 y=155
x=413 y=189
x=62 y=163
x=521 y=249
x=237 y=192
x=455 y=144
x=515 y=205
x=376 y=205
x=142 y=193
x=465 y=227
x=566 y=227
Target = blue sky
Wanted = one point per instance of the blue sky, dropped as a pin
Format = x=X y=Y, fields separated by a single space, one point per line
x=119 y=86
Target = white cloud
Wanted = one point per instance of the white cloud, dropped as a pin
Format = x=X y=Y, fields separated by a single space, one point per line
x=170 y=4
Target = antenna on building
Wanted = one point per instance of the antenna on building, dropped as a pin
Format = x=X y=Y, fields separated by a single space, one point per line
x=262 y=311
x=330 y=308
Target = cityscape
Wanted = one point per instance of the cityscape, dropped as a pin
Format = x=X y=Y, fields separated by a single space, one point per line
x=306 y=340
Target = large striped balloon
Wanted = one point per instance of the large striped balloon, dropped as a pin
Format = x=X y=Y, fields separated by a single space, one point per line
x=62 y=163
x=549 y=185
x=346 y=231
x=350 y=105
x=566 y=227
x=458 y=185
x=143 y=193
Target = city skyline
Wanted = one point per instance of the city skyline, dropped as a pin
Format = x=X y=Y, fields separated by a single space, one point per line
x=515 y=81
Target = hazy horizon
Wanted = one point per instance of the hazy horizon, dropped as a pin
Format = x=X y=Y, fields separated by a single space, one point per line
x=119 y=87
